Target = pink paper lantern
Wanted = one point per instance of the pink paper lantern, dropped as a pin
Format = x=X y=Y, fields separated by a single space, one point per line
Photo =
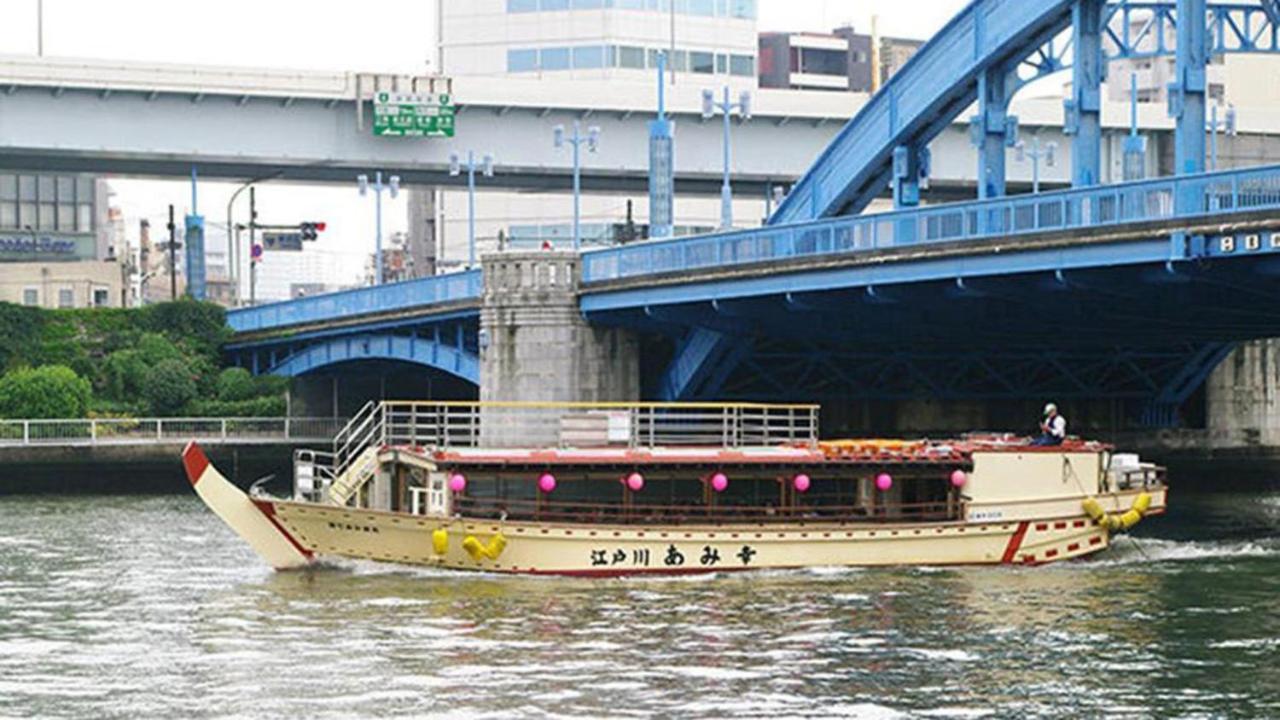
x=884 y=481
x=547 y=482
x=801 y=483
x=719 y=482
x=635 y=481
x=958 y=478
x=457 y=482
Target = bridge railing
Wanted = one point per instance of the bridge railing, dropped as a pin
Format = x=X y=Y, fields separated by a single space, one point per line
x=1108 y=205
x=359 y=301
x=150 y=431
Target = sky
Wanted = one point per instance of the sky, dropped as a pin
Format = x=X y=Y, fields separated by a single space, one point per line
x=380 y=36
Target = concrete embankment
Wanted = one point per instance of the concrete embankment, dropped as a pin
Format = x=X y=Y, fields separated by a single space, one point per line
x=134 y=468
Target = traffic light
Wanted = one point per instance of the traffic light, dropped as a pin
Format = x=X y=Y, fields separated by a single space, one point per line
x=311 y=230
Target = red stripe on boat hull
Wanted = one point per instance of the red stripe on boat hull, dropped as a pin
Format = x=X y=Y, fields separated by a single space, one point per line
x=269 y=511
x=1015 y=542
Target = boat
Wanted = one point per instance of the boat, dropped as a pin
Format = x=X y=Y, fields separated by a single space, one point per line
x=610 y=489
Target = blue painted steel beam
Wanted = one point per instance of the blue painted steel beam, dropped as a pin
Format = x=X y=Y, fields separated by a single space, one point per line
x=426 y=320
x=1084 y=109
x=457 y=287
x=698 y=355
x=455 y=361
x=939 y=81
x=994 y=129
x=1187 y=92
x=1154 y=251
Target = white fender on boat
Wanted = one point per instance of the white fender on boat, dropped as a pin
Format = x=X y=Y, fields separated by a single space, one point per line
x=254 y=521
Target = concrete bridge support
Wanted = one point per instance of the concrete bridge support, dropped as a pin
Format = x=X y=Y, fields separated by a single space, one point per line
x=536 y=346
x=1243 y=397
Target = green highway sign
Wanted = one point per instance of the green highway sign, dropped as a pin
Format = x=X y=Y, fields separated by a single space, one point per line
x=413 y=115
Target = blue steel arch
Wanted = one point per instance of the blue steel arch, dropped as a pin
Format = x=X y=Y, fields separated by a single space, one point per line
x=428 y=352
x=976 y=56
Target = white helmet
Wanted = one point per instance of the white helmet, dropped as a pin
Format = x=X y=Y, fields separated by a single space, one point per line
x=1050 y=409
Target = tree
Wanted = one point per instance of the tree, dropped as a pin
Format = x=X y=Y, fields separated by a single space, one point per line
x=46 y=392
x=202 y=325
x=168 y=387
x=235 y=384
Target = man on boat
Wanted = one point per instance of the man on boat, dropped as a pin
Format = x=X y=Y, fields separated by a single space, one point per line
x=1053 y=429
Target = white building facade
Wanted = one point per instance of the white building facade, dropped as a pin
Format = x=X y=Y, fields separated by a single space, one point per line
x=599 y=46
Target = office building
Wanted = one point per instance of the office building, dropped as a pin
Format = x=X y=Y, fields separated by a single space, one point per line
x=56 y=242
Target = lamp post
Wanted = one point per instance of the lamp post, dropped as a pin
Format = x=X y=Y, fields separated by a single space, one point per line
x=393 y=186
x=726 y=107
x=1228 y=125
x=1048 y=153
x=592 y=139
x=455 y=169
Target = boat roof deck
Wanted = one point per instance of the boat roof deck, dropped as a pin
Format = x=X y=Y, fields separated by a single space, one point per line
x=844 y=452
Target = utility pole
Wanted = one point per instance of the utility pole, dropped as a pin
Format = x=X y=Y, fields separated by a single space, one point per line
x=173 y=259
x=40 y=28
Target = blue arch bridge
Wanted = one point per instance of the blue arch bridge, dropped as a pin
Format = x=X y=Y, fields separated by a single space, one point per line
x=1119 y=299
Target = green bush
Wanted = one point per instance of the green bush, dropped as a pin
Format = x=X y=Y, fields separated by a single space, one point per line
x=20 y=330
x=235 y=384
x=169 y=387
x=49 y=391
x=201 y=326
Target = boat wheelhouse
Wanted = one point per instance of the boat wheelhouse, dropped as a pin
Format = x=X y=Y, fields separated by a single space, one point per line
x=611 y=489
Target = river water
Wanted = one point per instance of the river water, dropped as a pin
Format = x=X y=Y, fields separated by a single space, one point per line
x=127 y=607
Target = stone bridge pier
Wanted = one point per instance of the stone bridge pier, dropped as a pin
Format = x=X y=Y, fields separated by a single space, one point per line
x=535 y=345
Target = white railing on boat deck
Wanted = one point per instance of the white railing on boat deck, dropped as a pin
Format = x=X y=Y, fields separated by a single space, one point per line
x=634 y=425
x=152 y=431
x=451 y=424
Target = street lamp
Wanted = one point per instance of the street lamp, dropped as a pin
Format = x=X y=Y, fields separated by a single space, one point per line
x=592 y=139
x=1228 y=125
x=392 y=186
x=455 y=169
x=1048 y=153
x=726 y=107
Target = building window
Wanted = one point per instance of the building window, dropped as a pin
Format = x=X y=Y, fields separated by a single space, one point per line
x=631 y=57
x=101 y=296
x=31 y=297
x=591 y=4
x=84 y=217
x=705 y=8
x=554 y=5
x=742 y=65
x=702 y=62
x=66 y=298
x=590 y=57
x=745 y=9
x=722 y=64
x=518 y=6
x=554 y=59
x=522 y=60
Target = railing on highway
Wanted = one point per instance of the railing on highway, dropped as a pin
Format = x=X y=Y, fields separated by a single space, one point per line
x=1170 y=198
x=360 y=301
x=150 y=431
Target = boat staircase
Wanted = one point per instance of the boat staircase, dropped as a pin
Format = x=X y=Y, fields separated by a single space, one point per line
x=354 y=460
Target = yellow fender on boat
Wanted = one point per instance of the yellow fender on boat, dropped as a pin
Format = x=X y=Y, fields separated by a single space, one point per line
x=440 y=541
x=1119 y=521
x=490 y=550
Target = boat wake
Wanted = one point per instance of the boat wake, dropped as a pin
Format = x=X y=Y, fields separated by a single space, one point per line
x=1127 y=550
